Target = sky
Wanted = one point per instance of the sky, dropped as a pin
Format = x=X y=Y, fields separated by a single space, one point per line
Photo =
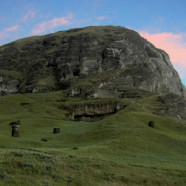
x=162 y=22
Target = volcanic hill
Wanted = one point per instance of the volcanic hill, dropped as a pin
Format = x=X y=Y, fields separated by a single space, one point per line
x=95 y=61
x=90 y=106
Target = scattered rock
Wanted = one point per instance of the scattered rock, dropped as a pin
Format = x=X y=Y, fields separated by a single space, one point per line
x=28 y=165
x=2 y=176
x=48 y=167
x=56 y=130
x=71 y=156
x=75 y=148
x=75 y=92
x=24 y=104
x=56 y=176
x=69 y=179
x=18 y=154
x=44 y=139
x=178 y=116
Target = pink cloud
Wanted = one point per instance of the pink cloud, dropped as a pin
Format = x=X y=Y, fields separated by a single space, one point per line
x=173 y=44
x=5 y=32
x=29 y=15
x=51 y=24
x=101 y=18
x=11 y=29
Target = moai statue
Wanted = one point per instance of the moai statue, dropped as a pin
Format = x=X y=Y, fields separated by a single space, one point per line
x=15 y=128
x=151 y=124
x=56 y=130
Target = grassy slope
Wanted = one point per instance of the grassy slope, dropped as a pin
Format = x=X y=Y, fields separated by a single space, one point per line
x=118 y=150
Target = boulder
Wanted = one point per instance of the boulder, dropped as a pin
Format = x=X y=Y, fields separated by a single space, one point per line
x=56 y=130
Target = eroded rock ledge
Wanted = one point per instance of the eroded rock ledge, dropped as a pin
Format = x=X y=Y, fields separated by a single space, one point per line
x=172 y=105
x=92 y=110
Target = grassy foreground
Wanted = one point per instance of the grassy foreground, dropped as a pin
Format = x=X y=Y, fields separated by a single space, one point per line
x=118 y=150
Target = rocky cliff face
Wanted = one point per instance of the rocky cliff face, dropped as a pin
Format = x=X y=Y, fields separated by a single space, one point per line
x=172 y=105
x=92 y=61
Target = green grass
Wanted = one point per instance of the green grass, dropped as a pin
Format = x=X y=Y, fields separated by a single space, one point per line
x=11 y=73
x=48 y=81
x=118 y=150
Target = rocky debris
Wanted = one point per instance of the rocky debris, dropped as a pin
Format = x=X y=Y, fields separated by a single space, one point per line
x=178 y=116
x=8 y=85
x=44 y=139
x=120 y=93
x=69 y=179
x=56 y=130
x=171 y=104
x=93 y=110
x=2 y=176
x=56 y=176
x=75 y=92
x=61 y=60
x=151 y=124
x=23 y=104
x=75 y=148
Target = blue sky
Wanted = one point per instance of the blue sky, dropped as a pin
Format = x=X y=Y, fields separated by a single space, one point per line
x=162 y=22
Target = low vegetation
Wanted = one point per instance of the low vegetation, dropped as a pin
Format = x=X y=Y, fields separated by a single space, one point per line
x=118 y=150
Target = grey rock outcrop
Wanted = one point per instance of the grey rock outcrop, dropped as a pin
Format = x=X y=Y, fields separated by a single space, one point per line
x=115 y=59
x=92 y=111
x=8 y=85
x=172 y=105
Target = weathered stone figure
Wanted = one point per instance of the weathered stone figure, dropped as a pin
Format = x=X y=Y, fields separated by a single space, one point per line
x=15 y=131
x=56 y=130
x=151 y=124
x=15 y=128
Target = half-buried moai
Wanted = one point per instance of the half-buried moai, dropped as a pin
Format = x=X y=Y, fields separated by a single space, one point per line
x=15 y=128
x=56 y=130
x=151 y=124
